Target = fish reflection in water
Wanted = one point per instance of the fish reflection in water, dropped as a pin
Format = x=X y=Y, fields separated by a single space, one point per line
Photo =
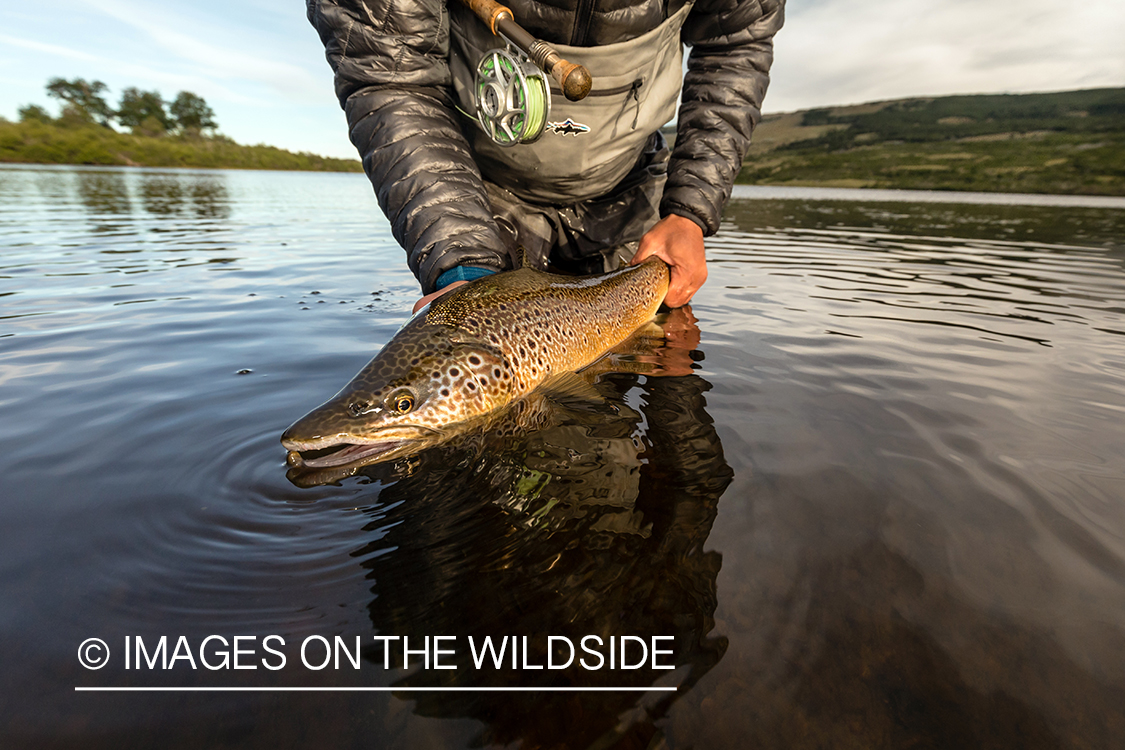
x=594 y=523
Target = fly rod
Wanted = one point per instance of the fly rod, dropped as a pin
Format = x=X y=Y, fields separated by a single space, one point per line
x=573 y=78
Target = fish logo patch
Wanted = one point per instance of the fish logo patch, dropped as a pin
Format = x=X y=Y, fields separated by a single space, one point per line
x=568 y=127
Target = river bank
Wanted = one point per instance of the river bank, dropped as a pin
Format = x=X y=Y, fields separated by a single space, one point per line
x=37 y=142
x=1069 y=142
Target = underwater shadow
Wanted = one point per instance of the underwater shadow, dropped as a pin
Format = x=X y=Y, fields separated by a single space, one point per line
x=593 y=524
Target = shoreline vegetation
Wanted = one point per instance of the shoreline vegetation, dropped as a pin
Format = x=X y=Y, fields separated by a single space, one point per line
x=1070 y=142
x=84 y=143
x=1067 y=143
x=181 y=132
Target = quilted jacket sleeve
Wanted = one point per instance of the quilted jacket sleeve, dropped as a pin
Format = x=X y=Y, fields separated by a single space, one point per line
x=728 y=71
x=391 y=65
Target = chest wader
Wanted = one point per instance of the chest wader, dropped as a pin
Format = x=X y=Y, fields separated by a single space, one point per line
x=582 y=195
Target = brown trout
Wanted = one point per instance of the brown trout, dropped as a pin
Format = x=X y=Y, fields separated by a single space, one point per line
x=472 y=352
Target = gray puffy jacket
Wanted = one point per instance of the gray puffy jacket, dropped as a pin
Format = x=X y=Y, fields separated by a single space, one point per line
x=391 y=60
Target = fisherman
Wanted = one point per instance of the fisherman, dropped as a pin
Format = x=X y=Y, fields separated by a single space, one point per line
x=599 y=187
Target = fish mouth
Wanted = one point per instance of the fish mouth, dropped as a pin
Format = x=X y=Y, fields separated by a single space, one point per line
x=348 y=450
x=348 y=454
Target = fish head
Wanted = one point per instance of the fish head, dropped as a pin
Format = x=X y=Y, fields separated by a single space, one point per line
x=419 y=391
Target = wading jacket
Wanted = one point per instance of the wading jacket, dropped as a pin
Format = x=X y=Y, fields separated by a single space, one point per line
x=391 y=65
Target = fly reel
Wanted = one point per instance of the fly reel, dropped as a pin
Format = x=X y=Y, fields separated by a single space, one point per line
x=513 y=97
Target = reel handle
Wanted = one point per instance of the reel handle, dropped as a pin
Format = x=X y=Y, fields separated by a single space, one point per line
x=574 y=79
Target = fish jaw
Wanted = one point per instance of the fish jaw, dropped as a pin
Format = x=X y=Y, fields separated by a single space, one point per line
x=380 y=445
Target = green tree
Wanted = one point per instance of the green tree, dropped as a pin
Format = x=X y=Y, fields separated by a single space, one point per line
x=191 y=114
x=34 y=113
x=83 y=98
x=143 y=111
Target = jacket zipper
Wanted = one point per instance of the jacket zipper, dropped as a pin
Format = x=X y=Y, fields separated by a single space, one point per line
x=582 y=18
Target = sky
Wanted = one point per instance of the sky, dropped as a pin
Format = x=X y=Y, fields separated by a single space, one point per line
x=261 y=67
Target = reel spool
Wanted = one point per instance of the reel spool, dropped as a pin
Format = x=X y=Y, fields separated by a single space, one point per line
x=513 y=97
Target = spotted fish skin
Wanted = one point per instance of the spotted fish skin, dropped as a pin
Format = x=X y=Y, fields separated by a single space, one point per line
x=472 y=352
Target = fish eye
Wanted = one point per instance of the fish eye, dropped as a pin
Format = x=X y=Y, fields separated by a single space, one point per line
x=404 y=402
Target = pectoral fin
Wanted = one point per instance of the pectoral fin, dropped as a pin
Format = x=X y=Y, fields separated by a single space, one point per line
x=573 y=390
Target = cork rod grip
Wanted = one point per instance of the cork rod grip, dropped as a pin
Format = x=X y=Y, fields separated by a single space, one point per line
x=488 y=11
x=574 y=79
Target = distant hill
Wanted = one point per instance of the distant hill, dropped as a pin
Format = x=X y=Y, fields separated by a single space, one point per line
x=1067 y=142
x=60 y=142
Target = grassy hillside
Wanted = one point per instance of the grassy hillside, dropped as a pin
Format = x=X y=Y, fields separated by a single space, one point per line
x=59 y=142
x=1070 y=142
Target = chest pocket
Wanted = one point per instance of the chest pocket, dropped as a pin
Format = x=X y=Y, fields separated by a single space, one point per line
x=590 y=145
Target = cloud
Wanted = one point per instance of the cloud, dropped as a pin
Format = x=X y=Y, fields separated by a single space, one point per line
x=50 y=49
x=190 y=41
x=846 y=51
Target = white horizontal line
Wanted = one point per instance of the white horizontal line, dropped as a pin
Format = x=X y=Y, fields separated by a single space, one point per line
x=372 y=689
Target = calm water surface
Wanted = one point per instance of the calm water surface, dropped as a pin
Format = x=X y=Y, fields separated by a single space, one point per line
x=886 y=510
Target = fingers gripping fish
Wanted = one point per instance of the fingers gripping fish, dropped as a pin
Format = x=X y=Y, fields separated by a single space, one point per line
x=470 y=353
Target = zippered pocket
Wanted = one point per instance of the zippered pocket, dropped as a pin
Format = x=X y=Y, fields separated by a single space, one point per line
x=631 y=90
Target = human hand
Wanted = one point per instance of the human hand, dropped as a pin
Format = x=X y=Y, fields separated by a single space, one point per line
x=678 y=241
x=431 y=297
